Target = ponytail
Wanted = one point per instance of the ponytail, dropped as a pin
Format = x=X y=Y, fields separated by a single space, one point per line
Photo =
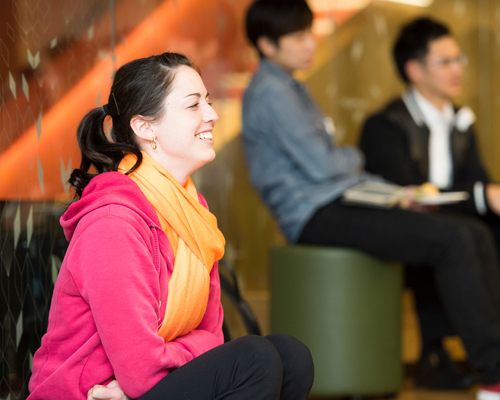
x=98 y=153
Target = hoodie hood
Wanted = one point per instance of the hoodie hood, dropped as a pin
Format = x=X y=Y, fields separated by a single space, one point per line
x=103 y=190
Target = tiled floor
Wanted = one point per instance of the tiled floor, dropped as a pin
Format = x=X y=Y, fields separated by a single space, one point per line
x=412 y=394
x=408 y=392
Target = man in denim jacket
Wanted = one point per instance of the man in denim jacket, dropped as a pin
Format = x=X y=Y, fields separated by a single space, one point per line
x=301 y=175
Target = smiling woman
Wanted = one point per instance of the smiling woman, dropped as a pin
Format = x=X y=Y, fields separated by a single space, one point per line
x=136 y=307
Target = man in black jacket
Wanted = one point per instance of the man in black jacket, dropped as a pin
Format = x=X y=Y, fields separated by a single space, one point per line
x=421 y=137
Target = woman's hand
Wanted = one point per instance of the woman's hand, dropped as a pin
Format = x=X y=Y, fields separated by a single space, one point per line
x=112 y=391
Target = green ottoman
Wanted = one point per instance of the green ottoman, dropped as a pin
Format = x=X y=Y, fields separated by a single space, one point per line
x=345 y=305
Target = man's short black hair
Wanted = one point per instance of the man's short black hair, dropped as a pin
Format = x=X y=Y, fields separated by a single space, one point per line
x=413 y=41
x=275 y=18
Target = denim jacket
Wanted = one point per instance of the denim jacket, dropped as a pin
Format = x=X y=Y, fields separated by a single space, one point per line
x=294 y=164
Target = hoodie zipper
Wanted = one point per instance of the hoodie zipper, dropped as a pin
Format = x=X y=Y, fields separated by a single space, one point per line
x=156 y=257
x=156 y=249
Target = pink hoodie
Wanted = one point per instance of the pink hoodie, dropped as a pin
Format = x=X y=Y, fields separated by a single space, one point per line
x=110 y=297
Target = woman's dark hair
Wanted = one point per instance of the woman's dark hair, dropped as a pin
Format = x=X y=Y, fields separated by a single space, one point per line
x=413 y=41
x=275 y=18
x=139 y=88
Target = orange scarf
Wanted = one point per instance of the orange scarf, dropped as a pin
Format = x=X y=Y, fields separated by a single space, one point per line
x=195 y=239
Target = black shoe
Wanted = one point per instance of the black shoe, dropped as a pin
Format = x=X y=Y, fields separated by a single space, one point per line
x=436 y=371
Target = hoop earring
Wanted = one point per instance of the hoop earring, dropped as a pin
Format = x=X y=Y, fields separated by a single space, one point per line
x=153 y=143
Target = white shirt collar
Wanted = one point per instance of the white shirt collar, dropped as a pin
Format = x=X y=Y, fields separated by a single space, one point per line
x=431 y=113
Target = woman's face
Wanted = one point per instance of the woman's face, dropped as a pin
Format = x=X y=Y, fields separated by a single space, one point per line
x=184 y=133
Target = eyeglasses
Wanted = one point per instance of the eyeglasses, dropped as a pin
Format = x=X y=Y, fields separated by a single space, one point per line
x=447 y=62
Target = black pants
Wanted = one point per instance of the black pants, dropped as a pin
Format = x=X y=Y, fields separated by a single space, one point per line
x=493 y=222
x=273 y=367
x=459 y=249
x=433 y=320
x=434 y=323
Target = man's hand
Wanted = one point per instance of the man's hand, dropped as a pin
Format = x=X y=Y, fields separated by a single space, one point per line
x=412 y=193
x=493 y=197
x=110 y=392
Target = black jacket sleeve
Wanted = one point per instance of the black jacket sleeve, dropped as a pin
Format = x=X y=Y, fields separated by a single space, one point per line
x=467 y=172
x=470 y=170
